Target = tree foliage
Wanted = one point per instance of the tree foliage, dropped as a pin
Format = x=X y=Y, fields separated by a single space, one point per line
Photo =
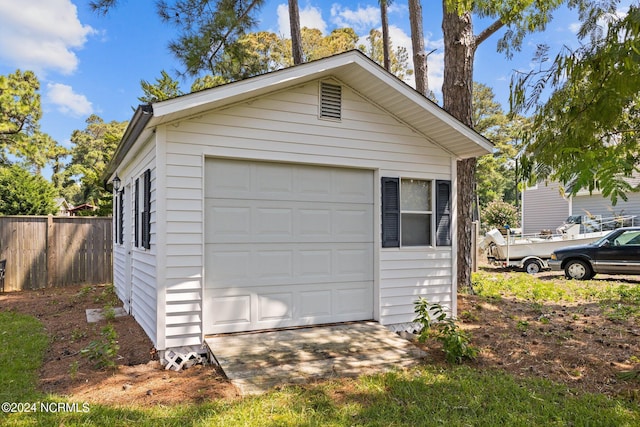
x=398 y=57
x=496 y=173
x=23 y=193
x=585 y=135
x=520 y=17
x=20 y=113
x=164 y=88
x=93 y=148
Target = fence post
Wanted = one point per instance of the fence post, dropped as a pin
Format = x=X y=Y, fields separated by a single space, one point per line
x=51 y=255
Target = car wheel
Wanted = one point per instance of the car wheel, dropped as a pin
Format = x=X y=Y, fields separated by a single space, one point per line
x=532 y=266
x=578 y=269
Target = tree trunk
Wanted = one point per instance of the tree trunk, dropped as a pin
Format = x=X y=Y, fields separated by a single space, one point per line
x=417 y=44
x=457 y=96
x=296 y=35
x=386 y=45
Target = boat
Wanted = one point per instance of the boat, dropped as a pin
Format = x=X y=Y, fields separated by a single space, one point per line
x=532 y=251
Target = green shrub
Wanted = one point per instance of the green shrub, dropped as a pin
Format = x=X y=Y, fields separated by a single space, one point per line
x=103 y=352
x=498 y=214
x=456 y=343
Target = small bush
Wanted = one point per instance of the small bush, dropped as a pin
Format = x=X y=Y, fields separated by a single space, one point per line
x=498 y=214
x=456 y=343
x=103 y=352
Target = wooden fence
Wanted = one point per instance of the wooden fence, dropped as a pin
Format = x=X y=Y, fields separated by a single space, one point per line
x=50 y=251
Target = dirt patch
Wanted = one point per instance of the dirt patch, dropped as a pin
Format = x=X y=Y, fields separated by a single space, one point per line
x=138 y=377
x=575 y=344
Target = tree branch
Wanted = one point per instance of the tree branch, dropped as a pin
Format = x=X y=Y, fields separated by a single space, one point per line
x=222 y=43
x=489 y=31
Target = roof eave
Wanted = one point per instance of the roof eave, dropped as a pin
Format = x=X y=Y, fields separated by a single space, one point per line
x=137 y=125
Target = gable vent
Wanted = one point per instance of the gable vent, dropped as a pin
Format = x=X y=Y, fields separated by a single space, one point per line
x=330 y=101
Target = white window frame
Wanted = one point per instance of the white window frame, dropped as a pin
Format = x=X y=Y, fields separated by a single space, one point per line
x=429 y=213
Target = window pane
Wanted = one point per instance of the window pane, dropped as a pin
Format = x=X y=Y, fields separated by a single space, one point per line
x=415 y=195
x=416 y=229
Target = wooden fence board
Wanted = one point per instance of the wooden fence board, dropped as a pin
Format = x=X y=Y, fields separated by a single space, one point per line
x=49 y=251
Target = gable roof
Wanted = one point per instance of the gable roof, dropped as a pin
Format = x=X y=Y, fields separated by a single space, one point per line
x=352 y=68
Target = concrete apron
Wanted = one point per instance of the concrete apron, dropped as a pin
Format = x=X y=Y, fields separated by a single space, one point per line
x=256 y=362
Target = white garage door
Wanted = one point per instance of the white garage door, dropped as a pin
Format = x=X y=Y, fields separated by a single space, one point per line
x=286 y=245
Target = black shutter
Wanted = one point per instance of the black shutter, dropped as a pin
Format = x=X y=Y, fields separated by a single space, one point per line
x=136 y=213
x=390 y=212
x=121 y=217
x=146 y=211
x=116 y=220
x=443 y=213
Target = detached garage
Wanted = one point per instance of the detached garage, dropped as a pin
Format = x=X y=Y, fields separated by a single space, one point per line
x=316 y=194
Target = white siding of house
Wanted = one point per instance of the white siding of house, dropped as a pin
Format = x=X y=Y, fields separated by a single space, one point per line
x=140 y=270
x=596 y=204
x=285 y=127
x=543 y=208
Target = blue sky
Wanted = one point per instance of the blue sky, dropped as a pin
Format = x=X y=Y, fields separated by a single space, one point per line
x=92 y=64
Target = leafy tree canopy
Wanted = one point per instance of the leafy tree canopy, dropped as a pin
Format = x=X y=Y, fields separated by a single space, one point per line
x=164 y=88
x=22 y=193
x=496 y=172
x=93 y=148
x=585 y=134
x=262 y=52
x=20 y=112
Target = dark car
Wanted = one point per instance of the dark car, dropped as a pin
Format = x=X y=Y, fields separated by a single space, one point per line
x=616 y=253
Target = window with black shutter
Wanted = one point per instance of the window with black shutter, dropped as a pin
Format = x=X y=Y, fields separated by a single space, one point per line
x=407 y=212
x=136 y=213
x=146 y=210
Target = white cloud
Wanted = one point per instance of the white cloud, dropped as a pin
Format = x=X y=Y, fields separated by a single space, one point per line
x=41 y=34
x=68 y=102
x=435 y=59
x=310 y=17
x=574 y=27
x=360 y=19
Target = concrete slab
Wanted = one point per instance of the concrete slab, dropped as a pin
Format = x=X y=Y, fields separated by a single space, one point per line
x=258 y=361
x=97 y=314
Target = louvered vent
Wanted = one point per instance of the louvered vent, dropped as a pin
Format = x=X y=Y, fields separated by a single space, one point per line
x=330 y=101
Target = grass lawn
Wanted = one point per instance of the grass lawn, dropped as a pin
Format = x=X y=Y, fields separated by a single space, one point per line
x=428 y=395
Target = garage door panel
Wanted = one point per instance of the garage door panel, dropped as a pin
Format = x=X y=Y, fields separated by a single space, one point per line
x=275 y=307
x=261 y=264
x=237 y=179
x=314 y=263
x=230 y=221
x=272 y=223
x=315 y=303
x=353 y=300
x=228 y=178
x=232 y=309
x=286 y=245
x=256 y=221
x=282 y=306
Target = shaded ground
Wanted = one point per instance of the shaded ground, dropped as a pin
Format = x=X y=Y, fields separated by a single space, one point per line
x=576 y=344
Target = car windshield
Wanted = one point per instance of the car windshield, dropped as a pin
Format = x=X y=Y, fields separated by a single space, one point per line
x=603 y=239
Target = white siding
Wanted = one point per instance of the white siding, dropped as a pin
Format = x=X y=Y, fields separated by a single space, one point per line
x=543 y=208
x=406 y=274
x=596 y=204
x=285 y=127
x=135 y=276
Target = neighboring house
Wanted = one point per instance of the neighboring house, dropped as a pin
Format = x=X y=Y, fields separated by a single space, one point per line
x=320 y=193
x=545 y=208
x=62 y=206
x=82 y=208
